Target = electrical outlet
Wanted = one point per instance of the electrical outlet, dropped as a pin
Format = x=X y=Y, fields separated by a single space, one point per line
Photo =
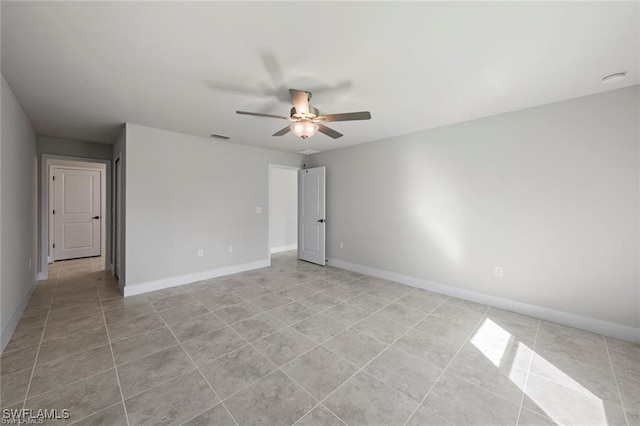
x=200 y=252
x=230 y=249
x=258 y=210
x=341 y=245
x=498 y=271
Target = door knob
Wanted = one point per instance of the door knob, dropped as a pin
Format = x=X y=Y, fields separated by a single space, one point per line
x=96 y=217
x=321 y=220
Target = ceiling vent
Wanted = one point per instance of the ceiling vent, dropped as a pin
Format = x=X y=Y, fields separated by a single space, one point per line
x=217 y=136
x=612 y=78
x=307 y=151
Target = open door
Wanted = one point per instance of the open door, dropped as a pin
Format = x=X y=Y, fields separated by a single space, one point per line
x=311 y=215
x=77 y=211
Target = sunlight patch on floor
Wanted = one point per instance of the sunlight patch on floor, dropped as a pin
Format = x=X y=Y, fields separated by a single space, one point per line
x=558 y=396
x=492 y=340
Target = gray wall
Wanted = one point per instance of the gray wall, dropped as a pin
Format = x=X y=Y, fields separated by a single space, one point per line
x=186 y=193
x=283 y=207
x=19 y=170
x=551 y=194
x=71 y=148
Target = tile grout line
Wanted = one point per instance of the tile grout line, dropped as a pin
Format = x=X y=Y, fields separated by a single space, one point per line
x=35 y=361
x=320 y=401
x=279 y=368
x=322 y=312
x=164 y=348
x=113 y=358
x=359 y=369
x=320 y=404
x=55 y=289
x=73 y=383
x=420 y=404
x=492 y=391
x=162 y=382
x=248 y=343
x=572 y=388
x=210 y=408
x=317 y=344
x=194 y=363
x=389 y=345
x=526 y=381
x=615 y=379
x=99 y=411
x=273 y=292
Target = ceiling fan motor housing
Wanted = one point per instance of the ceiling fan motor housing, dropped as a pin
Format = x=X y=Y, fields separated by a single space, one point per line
x=311 y=115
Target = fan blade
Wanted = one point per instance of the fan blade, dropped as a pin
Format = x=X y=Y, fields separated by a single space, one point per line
x=300 y=101
x=345 y=116
x=257 y=114
x=328 y=131
x=283 y=131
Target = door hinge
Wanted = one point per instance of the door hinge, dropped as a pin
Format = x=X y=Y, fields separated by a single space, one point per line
x=54 y=178
x=54 y=212
x=54 y=245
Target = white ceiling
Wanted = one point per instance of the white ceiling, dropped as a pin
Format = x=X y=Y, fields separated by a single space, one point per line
x=80 y=69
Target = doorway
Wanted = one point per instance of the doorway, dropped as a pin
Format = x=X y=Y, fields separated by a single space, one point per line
x=76 y=195
x=88 y=236
x=312 y=215
x=283 y=208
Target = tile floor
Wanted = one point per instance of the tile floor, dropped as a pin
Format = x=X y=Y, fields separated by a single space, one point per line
x=298 y=343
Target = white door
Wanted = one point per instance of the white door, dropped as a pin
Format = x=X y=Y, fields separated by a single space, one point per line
x=76 y=213
x=311 y=215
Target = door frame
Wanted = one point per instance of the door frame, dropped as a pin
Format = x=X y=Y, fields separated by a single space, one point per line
x=57 y=164
x=323 y=219
x=117 y=217
x=270 y=167
x=43 y=211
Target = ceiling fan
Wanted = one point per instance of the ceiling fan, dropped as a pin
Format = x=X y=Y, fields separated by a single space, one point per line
x=307 y=119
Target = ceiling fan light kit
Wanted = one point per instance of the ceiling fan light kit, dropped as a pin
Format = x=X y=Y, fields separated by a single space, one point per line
x=307 y=119
x=304 y=129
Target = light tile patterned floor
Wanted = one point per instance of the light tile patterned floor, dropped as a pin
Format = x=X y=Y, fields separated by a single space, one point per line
x=298 y=343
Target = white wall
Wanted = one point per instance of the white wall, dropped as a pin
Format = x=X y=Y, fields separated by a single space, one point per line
x=18 y=158
x=186 y=193
x=283 y=208
x=71 y=148
x=551 y=194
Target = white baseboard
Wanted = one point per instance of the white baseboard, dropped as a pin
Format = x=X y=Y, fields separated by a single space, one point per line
x=6 y=334
x=283 y=248
x=132 y=290
x=618 y=331
x=41 y=276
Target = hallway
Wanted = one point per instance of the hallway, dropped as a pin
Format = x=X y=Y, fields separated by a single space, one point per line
x=70 y=303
